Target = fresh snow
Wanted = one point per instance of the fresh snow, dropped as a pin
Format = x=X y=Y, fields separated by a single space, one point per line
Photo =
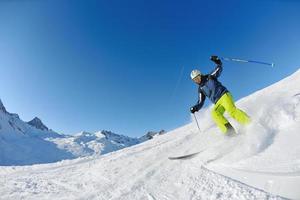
x=261 y=162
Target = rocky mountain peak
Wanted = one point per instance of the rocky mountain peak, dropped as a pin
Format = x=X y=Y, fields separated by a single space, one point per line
x=151 y=134
x=37 y=123
x=2 y=108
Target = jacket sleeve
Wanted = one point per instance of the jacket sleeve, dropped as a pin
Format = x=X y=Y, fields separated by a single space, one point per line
x=200 y=101
x=218 y=70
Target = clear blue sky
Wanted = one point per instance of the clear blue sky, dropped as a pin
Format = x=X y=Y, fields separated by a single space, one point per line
x=124 y=65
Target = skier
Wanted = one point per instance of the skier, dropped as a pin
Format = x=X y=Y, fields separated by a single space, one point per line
x=210 y=87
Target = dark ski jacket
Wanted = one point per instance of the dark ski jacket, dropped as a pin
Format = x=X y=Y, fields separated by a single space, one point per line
x=210 y=87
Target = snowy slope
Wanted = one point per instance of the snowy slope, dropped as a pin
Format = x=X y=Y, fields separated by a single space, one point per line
x=28 y=143
x=262 y=162
x=267 y=156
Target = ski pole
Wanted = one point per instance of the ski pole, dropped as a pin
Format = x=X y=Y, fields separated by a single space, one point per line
x=247 y=61
x=197 y=122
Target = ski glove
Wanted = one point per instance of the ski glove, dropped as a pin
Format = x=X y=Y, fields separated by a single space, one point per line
x=193 y=109
x=215 y=59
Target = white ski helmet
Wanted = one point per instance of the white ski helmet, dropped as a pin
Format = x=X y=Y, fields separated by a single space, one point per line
x=195 y=73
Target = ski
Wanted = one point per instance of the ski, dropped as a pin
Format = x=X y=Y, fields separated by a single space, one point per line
x=188 y=156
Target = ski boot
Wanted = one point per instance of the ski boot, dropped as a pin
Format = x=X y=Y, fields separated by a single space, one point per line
x=230 y=130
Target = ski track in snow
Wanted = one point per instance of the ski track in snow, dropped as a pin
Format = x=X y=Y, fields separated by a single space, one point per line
x=255 y=164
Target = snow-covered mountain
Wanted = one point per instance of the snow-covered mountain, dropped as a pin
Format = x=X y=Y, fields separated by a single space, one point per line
x=86 y=144
x=33 y=142
x=21 y=143
x=261 y=162
x=150 y=135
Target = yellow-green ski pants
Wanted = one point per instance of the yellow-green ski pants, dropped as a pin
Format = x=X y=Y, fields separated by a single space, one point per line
x=226 y=103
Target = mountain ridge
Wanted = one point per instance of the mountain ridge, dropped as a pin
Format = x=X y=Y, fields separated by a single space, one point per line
x=25 y=143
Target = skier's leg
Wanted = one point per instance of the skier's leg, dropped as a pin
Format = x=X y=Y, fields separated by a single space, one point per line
x=227 y=102
x=217 y=115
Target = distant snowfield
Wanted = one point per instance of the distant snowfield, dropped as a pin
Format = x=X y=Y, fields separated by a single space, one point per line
x=262 y=162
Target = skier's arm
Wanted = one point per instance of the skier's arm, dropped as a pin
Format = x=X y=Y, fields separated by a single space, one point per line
x=199 y=104
x=218 y=69
x=201 y=101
